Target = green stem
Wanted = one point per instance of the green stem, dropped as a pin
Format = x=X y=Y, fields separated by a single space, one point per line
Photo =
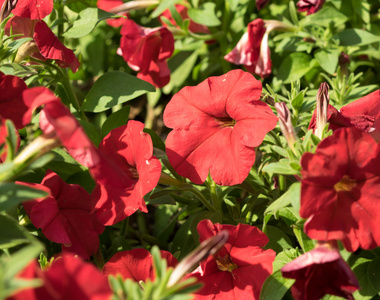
x=214 y=193
x=98 y=259
x=124 y=226
x=202 y=199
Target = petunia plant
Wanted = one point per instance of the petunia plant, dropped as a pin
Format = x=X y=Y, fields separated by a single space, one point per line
x=185 y=149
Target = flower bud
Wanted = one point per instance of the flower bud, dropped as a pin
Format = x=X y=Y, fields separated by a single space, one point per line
x=283 y=113
x=322 y=104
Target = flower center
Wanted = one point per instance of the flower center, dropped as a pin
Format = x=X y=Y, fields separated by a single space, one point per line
x=134 y=173
x=226 y=122
x=225 y=264
x=345 y=185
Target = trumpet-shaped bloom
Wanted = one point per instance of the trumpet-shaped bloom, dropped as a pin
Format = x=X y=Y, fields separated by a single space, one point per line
x=67 y=278
x=340 y=190
x=216 y=127
x=45 y=44
x=319 y=272
x=65 y=216
x=129 y=161
x=240 y=267
x=136 y=264
x=363 y=114
x=146 y=51
x=252 y=50
x=311 y=6
x=32 y=9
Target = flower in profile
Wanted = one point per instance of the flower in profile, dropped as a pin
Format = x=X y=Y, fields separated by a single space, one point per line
x=182 y=10
x=261 y=3
x=216 y=127
x=311 y=6
x=129 y=162
x=108 y=5
x=45 y=44
x=319 y=272
x=363 y=114
x=136 y=264
x=239 y=268
x=252 y=50
x=146 y=51
x=65 y=216
x=340 y=190
x=67 y=278
x=32 y=9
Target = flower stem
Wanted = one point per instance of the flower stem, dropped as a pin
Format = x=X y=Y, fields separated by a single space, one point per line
x=202 y=199
x=214 y=193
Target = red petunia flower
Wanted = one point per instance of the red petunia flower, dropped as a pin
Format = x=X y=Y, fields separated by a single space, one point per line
x=261 y=3
x=252 y=50
x=136 y=264
x=216 y=126
x=65 y=216
x=12 y=105
x=363 y=114
x=67 y=278
x=319 y=272
x=108 y=5
x=240 y=268
x=340 y=190
x=133 y=168
x=311 y=6
x=32 y=9
x=146 y=51
x=45 y=44
x=182 y=10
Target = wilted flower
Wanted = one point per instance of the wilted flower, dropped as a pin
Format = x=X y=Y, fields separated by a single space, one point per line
x=319 y=272
x=340 y=190
x=216 y=127
x=261 y=3
x=311 y=6
x=32 y=9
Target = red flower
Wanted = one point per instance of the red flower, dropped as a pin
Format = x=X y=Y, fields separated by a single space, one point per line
x=64 y=216
x=363 y=114
x=252 y=50
x=146 y=51
x=319 y=272
x=135 y=264
x=240 y=268
x=261 y=3
x=182 y=10
x=311 y=6
x=32 y=9
x=216 y=126
x=45 y=46
x=12 y=105
x=340 y=190
x=108 y=5
x=68 y=278
x=133 y=169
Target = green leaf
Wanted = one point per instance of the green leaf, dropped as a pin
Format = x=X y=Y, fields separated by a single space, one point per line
x=157 y=141
x=275 y=286
x=294 y=67
x=368 y=275
x=116 y=120
x=278 y=240
x=204 y=14
x=114 y=88
x=164 y=4
x=328 y=59
x=286 y=199
x=324 y=17
x=17 y=70
x=11 y=234
x=11 y=194
x=356 y=37
x=281 y=167
x=86 y=22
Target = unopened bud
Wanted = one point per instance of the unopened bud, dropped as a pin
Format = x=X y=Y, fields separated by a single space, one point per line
x=25 y=50
x=322 y=105
x=133 y=5
x=283 y=113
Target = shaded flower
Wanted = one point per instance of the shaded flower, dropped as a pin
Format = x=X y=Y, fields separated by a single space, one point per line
x=252 y=50
x=261 y=3
x=311 y=6
x=319 y=272
x=182 y=10
x=45 y=44
x=133 y=169
x=146 y=51
x=68 y=278
x=216 y=126
x=12 y=105
x=340 y=190
x=240 y=268
x=65 y=216
x=363 y=114
x=108 y=5
x=32 y=9
x=136 y=264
